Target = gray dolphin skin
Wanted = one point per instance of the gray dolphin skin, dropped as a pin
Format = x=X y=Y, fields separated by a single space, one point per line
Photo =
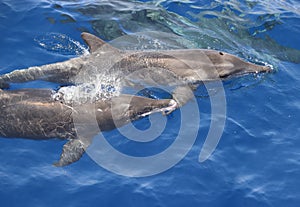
x=191 y=66
x=34 y=114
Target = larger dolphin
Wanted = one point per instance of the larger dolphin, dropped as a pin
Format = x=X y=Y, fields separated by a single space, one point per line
x=35 y=114
x=190 y=66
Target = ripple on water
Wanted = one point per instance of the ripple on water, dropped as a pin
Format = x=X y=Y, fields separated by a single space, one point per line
x=256 y=162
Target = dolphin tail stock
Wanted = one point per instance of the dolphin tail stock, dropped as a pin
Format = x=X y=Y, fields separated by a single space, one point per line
x=72 y=152
x=61 y=72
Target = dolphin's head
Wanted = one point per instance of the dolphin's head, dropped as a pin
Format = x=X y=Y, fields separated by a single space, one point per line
x=228 y=65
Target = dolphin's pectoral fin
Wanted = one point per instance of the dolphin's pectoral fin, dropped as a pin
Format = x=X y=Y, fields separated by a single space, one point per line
x=72 y=152
x=182 y=94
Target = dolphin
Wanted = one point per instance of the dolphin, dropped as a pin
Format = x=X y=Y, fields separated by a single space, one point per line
x=190 y=66
x=36 y=114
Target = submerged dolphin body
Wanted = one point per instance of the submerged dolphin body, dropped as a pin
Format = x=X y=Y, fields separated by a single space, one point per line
x=190 y=66
x=34 y=114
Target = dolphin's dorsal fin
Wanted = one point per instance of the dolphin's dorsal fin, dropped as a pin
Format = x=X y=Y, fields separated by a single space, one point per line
x=72 y=151
x=94 y=42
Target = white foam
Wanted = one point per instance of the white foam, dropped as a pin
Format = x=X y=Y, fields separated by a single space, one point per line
x=101 y=89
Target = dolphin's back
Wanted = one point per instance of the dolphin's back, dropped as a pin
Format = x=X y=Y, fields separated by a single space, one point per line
x=33 y=114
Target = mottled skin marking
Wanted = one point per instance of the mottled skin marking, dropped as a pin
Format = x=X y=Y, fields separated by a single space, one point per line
x=33 y=114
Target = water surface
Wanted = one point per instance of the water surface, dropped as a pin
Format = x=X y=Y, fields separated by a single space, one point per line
x=257 y=160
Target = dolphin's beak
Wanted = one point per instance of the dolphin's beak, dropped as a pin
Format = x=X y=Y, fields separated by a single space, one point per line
x=259 y=68
x=254 y=68
x=172 y=105
x=267 y=69
x=246 y=69
x=263 y=69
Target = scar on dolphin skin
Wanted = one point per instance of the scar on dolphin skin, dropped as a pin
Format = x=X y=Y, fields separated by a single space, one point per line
x=192 y=66
x=34 y=114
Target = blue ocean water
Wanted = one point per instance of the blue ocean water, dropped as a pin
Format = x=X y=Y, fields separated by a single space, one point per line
x=257 y=161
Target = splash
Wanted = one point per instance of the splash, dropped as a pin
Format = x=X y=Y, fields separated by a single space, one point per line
x=61 y=44
x=93 y=85
x=102 y=88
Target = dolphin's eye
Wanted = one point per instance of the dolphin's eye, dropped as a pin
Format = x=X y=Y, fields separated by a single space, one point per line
x=221 y=53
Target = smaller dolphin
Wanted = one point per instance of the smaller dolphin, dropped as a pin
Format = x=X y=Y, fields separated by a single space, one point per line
x=34 y=114
x=191 y=66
